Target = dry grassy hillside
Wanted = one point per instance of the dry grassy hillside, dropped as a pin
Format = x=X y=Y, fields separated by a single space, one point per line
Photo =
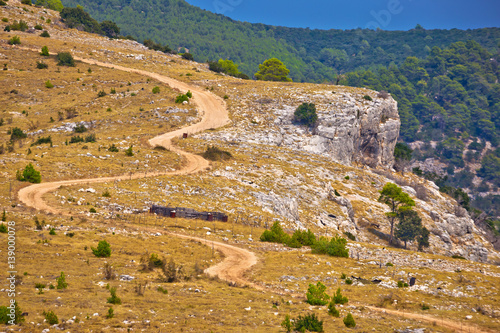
x=269 y=177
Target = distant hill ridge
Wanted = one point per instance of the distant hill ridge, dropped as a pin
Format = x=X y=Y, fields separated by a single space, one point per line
x=311 y=55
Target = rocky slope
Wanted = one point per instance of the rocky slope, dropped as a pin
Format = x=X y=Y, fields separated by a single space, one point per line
x=349 y=128
x=280 y=170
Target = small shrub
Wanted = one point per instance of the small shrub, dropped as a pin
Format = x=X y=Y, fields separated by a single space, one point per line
x=189 y=94
x=61 y=281
x=367 y=97
x=171 y=271
x=20 y=26
x=389 y=264
x=113 y=148
x=15 y=40
x=309 y=322
x=306 y=238
x=306 y=114
x=162 y=290
x=106 y=194
x=402 y=284
x=110 y=313
x=39 y=225
x=316 y=294
x=425 y=307
x=76 y=139
x=275 y=235
x=181 y=99
x=336 y=247
x=287 y=324
x=52 y=231
x=16 y=133
x=129 y=151
x=103 y=250
x=3 y=228
x=343 y=276
x=215 y=154
x=80 y=128
x=113 y=299
x=156 y=90
x=51 y=318
x=29 y=174
x=347 y=177
x=65 y=59
x=101 y=93
x=338 y=298
x=332 y=310
x=70 y=234
x=348 y=281
x=4 y=19
x=92 y=210
x=48 y=84
x=26 y=2
x=293 y=243
x=226 y=97
x=90 y=138
x=349 y=321
x=45 y=33
x=18 y=317
x=155 y=260
x=349 y=235
x=38 y=27
x=108 y=272
x=40 y=287
x=41 y=65
x=45 y=51
x=187 y=56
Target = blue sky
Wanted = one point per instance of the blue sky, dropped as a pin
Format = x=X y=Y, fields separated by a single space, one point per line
x=351 y=14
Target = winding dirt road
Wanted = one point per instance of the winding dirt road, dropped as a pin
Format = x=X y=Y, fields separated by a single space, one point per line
x=214 y=114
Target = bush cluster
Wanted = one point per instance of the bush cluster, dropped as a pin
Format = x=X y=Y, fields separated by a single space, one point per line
x=298 y=239
x=42 y=140
x=113 y=299
x=309 y=322
x=17 y=26
x=336 y=247
x=79 y=19
x=15 y=40
x=29 y=174
x=103 y=250
x=215 y=154
x=316 y=294
x=65 y=59
x=306 y=114
x=181 y=98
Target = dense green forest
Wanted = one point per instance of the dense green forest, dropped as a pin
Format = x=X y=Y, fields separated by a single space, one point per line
x=311 y=55
x=451 y=98
x=445 y=81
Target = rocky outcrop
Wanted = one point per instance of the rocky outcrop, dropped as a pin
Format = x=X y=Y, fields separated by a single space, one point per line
x=349 y=128
x=359 y=133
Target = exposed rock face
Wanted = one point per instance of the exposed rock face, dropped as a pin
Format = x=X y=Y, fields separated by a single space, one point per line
x=349 y=129
x=356 y=133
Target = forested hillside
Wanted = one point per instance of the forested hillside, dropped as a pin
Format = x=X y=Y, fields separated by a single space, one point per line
x=311 y=55
x=449 y=105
